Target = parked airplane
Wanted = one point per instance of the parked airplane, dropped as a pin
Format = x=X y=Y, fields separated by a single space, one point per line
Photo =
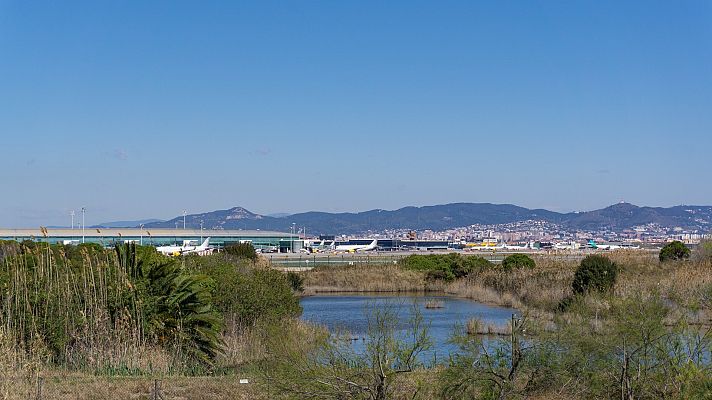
x=567 y=246
x=186 y=248
x=524 y=246
x=601 y=246
x=353 y=248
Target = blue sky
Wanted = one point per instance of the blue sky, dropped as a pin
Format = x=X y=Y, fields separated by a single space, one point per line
x=140 y=110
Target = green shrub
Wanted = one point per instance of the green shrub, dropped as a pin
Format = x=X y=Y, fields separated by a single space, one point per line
x=517 y=261
x=445 y=267
x=440 y=275
x=241 y=250
x=474 y=264
x=245 y=293
x=675 y=250
x=296 y=281
x=595 y=273
x=264 y=294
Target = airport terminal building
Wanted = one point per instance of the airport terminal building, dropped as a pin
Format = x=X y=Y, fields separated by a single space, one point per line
x=266 y=240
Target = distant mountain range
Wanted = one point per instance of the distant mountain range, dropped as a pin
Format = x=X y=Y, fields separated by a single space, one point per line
x=439 y=217
x=126 y=224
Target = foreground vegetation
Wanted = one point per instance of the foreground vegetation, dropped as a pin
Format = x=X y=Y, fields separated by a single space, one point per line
x=621 y=325
x=86 y=311
x=626 y=326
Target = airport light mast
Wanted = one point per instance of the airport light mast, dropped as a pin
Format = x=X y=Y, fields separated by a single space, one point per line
x=71 y=213
x=83 y=212
x=141 y=242
x=184 y=213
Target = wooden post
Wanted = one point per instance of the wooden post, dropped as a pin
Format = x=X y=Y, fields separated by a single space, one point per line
x=157 y=390
x=39 y=387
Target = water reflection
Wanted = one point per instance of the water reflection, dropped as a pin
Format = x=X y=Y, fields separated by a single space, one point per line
x=349 y=313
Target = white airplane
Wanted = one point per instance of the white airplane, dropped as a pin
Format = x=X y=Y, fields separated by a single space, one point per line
x=501 y=246
x=524 y=246
x=600 y=246
x=186 y=248
x=567 y=246
x=353 y=248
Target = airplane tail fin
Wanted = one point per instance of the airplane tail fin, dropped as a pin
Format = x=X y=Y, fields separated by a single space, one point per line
x=205 y=243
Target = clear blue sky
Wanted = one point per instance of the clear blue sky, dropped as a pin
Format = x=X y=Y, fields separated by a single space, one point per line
x=139 y=110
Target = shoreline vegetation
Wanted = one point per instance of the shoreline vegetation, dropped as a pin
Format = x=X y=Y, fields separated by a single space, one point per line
x=87 y=322
x=538 y=290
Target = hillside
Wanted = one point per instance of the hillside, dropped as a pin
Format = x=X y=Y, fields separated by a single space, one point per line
x=617 y=217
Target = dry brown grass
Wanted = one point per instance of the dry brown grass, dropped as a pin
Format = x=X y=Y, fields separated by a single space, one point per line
x=385 y=278
x=22 y=373
x=541 y=288
x=434 y=304
x=687 y=284
x=476 y=326
x=57 y=385
x=243 y=345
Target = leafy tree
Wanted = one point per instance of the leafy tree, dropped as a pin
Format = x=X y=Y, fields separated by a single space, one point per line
x=489 y=370
x=595 y=273
x=675 y=250
x=177 y=303
x=517 y=261
x=184 y=316
x=631 y=354
x=330 y=368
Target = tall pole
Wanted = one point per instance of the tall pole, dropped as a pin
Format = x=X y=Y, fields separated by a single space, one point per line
x=83 y=211
x=201 y=231
x=184 y=212
x=72 y=214
x=294 y=226
x=141 y=243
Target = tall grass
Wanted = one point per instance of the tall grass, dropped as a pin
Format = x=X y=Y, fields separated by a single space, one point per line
x=79 y=308
x=65 y=311
x=371 y=278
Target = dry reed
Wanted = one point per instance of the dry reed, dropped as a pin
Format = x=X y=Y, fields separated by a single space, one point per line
x=434 y=304
x=371 y=278
x=475 y=326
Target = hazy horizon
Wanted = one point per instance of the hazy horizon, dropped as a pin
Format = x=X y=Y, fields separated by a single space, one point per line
x=140 y=110
x=77 y=216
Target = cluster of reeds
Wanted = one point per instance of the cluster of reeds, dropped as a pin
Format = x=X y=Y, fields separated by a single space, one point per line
x=366 y=278
x=475 y=326
x=434 y=304
x=78 y=311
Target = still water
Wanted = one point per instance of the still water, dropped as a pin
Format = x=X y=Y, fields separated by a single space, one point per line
x=349 y=312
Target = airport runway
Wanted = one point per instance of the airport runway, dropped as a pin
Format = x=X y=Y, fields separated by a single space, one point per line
x=303 y=260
